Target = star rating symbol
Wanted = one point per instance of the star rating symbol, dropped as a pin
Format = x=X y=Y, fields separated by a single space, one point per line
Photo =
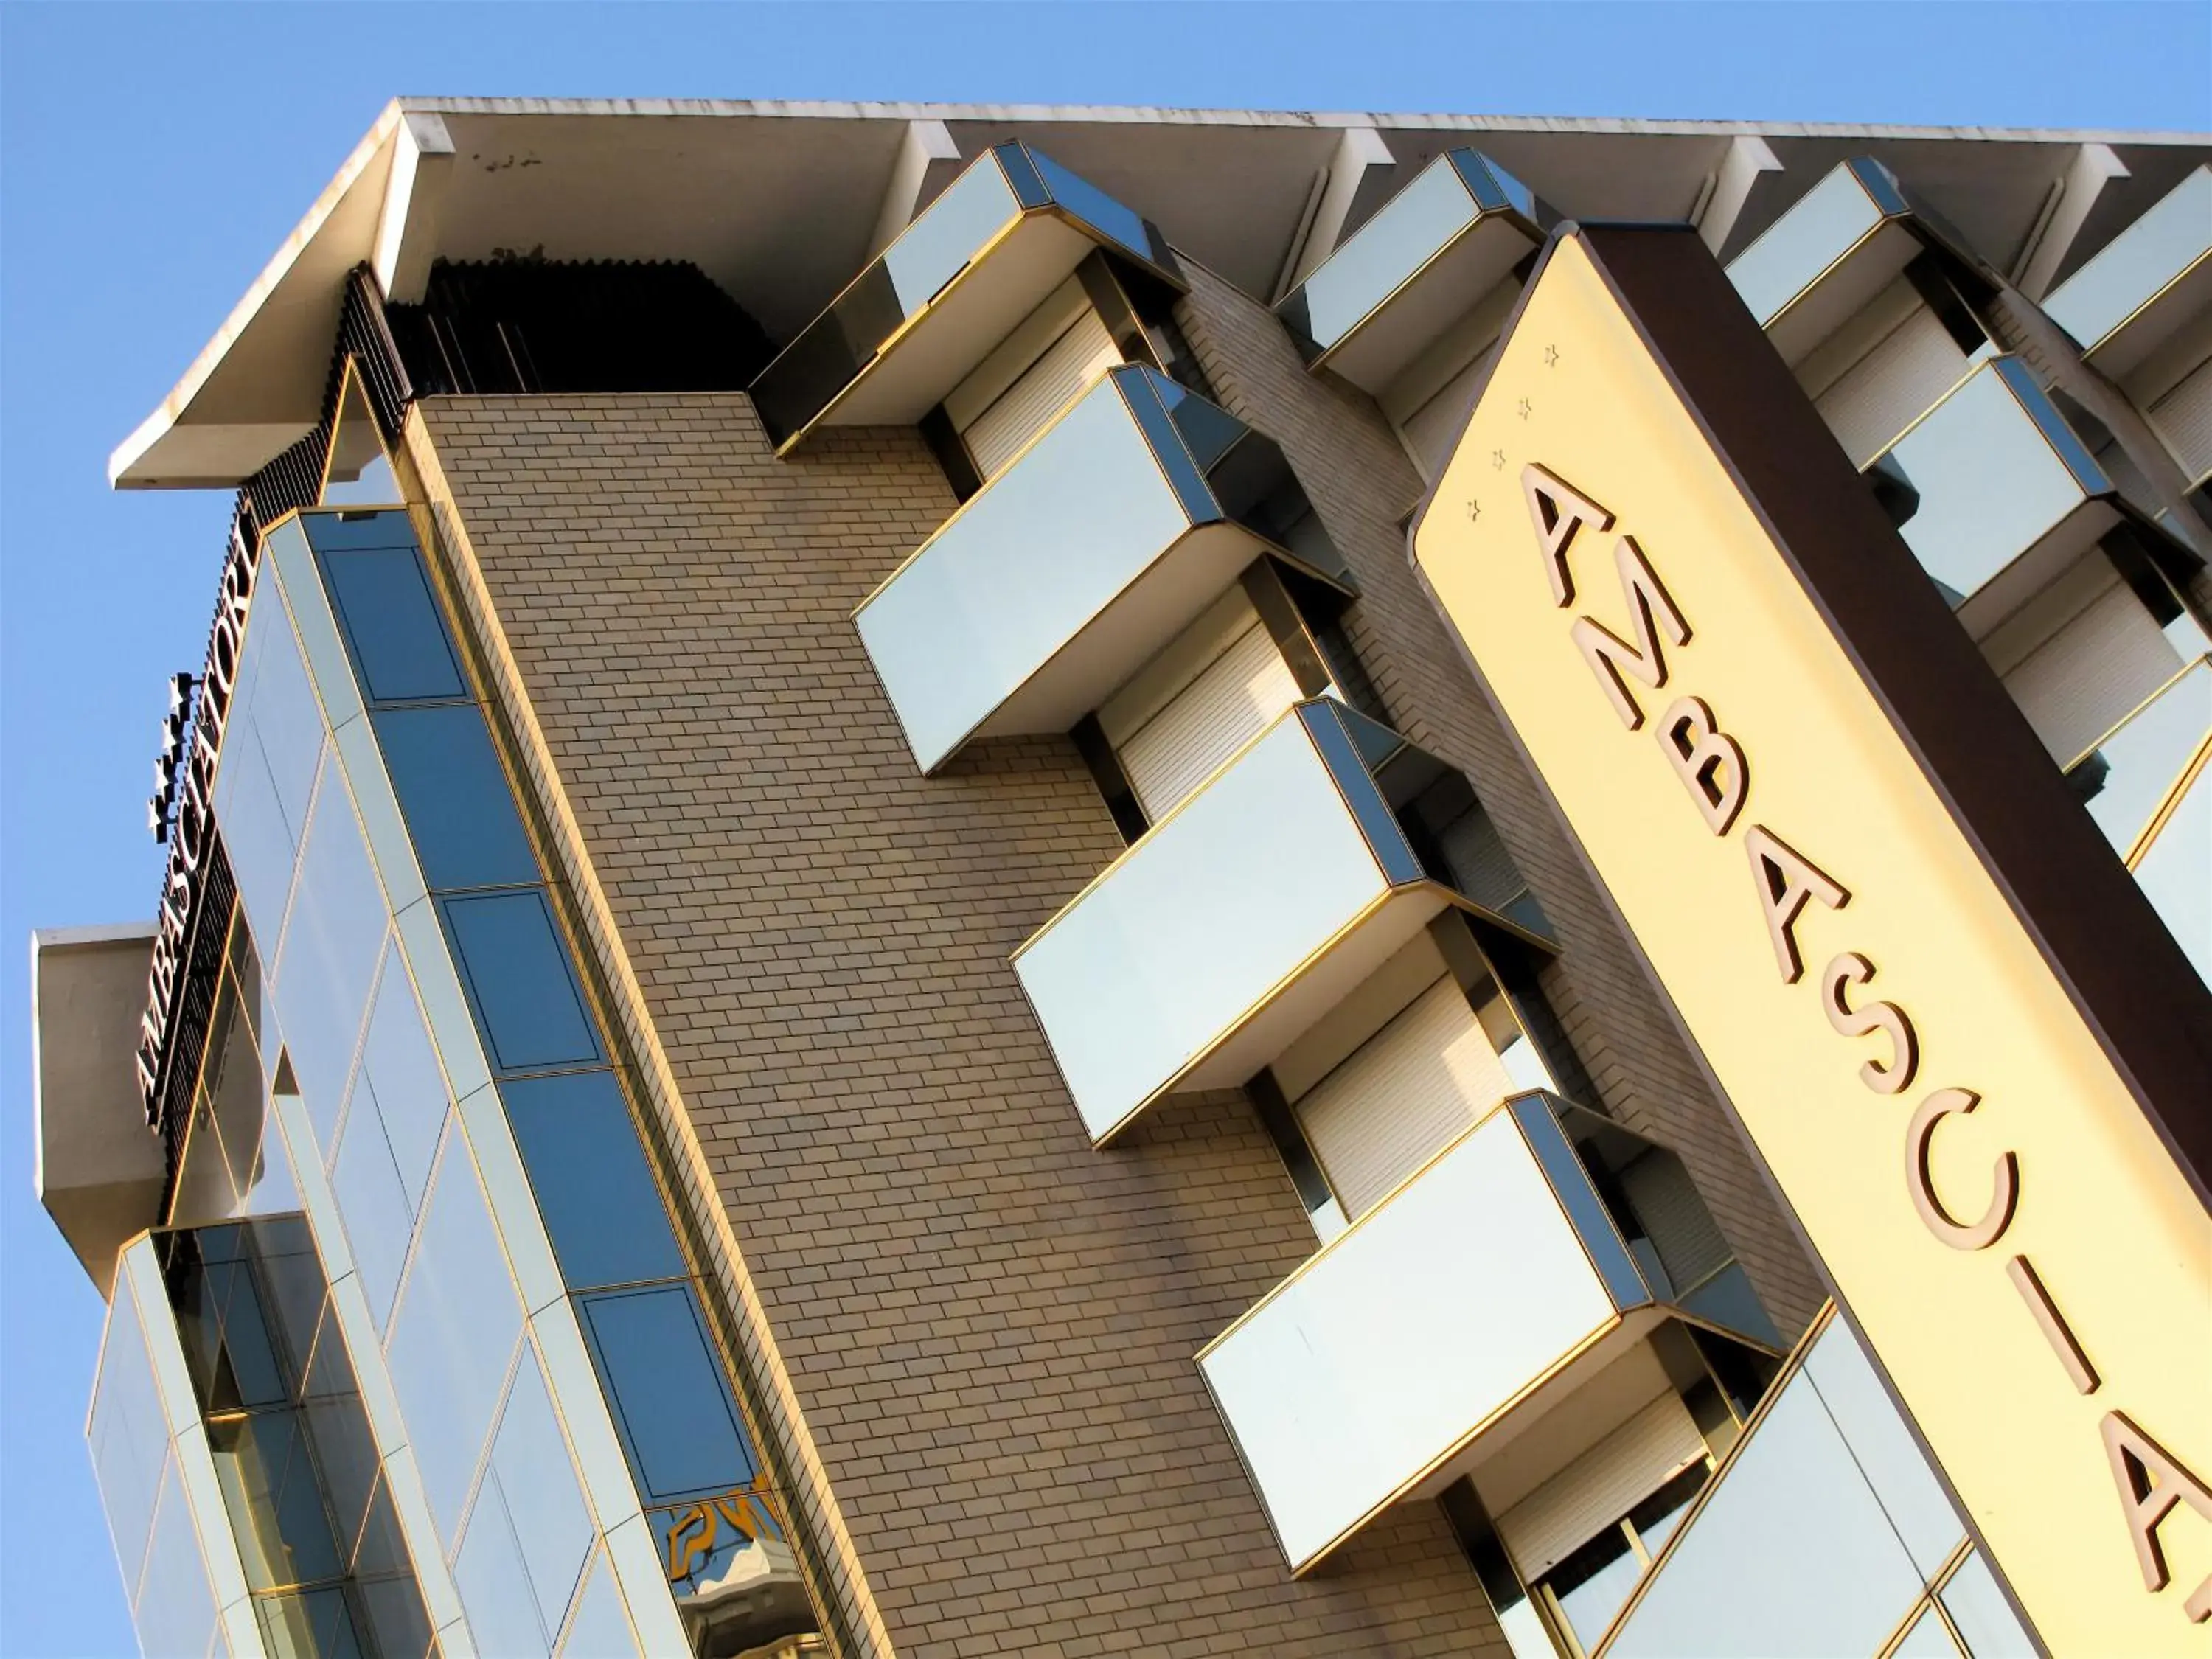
x=1474 y=510
x=1498 y=460
x=1522 y=409
x=1550 y=356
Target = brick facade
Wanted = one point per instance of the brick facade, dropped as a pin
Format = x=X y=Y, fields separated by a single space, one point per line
x=982 y=1331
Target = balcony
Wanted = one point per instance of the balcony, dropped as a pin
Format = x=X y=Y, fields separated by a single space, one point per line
x=1838 y=246
x=2145 y=285
x=2146 y=786
x=2007 y=496
x=981 y=258
x=1492 y=1283
x=1249 y=911
x=1095 y=547
x=1454 y=231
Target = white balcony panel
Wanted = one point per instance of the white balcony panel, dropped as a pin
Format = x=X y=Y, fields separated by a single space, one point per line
x=1203 y=923
x=2144 y=284
x=1838 y=246
x=1391 y=1347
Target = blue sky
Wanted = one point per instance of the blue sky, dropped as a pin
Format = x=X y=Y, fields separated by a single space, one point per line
x=152 y=157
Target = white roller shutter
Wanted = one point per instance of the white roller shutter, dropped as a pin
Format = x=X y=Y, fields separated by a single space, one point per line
x=2183 y=419
x=1601 y=1486
x=1229 y=703
x=2079 y=683
x=1024 y=408
x=1892 y=385
x=1401 y=1097
x=1691 y=1245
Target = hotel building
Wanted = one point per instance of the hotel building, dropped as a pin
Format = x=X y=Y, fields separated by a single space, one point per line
x=971 y=880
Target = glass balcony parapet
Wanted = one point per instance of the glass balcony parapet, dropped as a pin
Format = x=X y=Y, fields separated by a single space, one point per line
x=1832 y=251
x=1454 y=231
x=981 y=258
x=2006 y=494
x=2142 y=286
x=1122 y=522
x=1241 y=917
x=1496 y=1279
x=2145 y=783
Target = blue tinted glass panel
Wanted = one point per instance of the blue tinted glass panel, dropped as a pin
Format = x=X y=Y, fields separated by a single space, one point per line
x=671 y=1403
x=544 y=1504
x=459 y=810
x=579 y=1145
x=332 y=942
x=495 y=1586
x=379 y=1220
x=517 y=972
x=1094 y=206
x=401 y=1069
x=382 y=596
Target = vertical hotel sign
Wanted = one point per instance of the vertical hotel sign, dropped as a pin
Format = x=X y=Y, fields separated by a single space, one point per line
x=1975 y=1065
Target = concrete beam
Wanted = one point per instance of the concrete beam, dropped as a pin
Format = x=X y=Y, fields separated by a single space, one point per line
x=1356 y=182
x=1747 y=159
x=414 y=201
x=2073 y=194
x=98 y=1169
x=928 y=160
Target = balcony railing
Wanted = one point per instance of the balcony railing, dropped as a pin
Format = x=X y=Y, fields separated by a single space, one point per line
x=1839 y=245
x=1456 y=231
x=1244 y=914
x=1097 y=544
x=2146 y=785
x=2007 y=496
x=1495 y=1281
x=2145 y=283
x=981 y=258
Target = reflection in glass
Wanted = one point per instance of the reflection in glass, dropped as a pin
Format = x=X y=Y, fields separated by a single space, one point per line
x=129 y=1435
x=1927 y=1640
x=537 y=1483
x=400 y=1069
x=270 y=1488
x=2130 y=270
x=390 y=619
x=1982 y=1615
x=579 y=1146
x=379 y=1220
x=332 y=942
x=1819 y=228
x=1884 y=1448
x=308 y=1625
x=2175 y=871
x=175 y=1611
x=454 y=1336
x=359 y=473
x=458 y=806
x=601 y=1628
x=1593 y=1582
x=678 y=1421
x=516 y=968
x=494 y=1583
x=949 y=233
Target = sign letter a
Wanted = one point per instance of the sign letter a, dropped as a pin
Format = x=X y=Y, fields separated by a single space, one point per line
x=1558 y=509
x=2153 y=1483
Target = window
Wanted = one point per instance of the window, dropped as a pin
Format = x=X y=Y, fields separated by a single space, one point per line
x=390 y=620
x=673 y=1407
x=458 y=806
x=517 y=973
x=1586 y=1590
x=602 y=1210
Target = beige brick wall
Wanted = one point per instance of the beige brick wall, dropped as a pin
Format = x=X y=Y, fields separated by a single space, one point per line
x=982 y=1330
x=1362 y=484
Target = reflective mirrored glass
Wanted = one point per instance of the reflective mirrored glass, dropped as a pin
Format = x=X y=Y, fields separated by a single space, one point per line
x=1792 y=253
x=332 y=942
x=1927 y=1640
x=397 y=1623
x=603 y=1211
x=545 y=1506
x=458 y=805
x=670 y=1402
x=226 y=1340
x=516 y=968
x=494 y=1583
x=288 y=721
x=2134 y=265
x=255 y=837
x=175 y=1609
x=1194 y=925
x=1977 y=1606
x=1883 y=1446
x=308 y=1625
x=401 y=1069
x=2175 y=873
x=601 y=1627
x=358 y=473
x=1593 y=1582
x=1737 y=1586
x=391 y=622
x=275 y=1501
x=453 y=1337
x=379 y=1220
x=1406 y=231
x=1095 y=207
x=937 y=246
x=129 y=1438
x=2134 y=769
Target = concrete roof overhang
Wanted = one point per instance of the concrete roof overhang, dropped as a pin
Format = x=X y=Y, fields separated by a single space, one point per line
x=778 y=203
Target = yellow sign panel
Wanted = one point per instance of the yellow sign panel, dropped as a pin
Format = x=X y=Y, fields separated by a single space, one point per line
x=2031 y=1266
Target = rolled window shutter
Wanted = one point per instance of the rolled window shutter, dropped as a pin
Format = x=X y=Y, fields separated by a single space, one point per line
x=1228 y=703
x=1691 y=1245
x=1058 y=377
x=1400 y=1097
x=1892 y=385
x=2183 y=419
x=2097 y=669
x=1601 y=1486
